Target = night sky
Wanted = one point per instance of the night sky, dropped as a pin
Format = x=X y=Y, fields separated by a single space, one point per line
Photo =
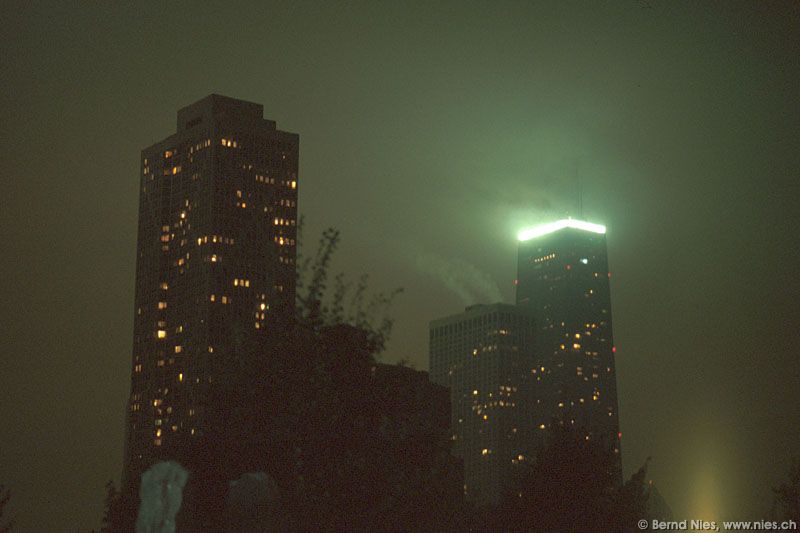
x=429 y=134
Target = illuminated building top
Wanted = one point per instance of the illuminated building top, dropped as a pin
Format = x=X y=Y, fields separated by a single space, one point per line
x=538 y=231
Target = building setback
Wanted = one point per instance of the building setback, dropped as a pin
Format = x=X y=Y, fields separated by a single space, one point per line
x=563 y=278
x=485 y=356
x=215 y=264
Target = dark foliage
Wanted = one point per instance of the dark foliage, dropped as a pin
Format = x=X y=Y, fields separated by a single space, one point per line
x=5 y=496
x=350 y=445
x=572 y=486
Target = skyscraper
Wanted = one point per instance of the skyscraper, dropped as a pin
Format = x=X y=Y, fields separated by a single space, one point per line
x=215 y=263
x=563 y=278
x=485 y=356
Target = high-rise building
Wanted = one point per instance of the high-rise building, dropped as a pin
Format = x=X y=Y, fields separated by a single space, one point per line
x=215 y=263
x=485 y=356
x=563 y=278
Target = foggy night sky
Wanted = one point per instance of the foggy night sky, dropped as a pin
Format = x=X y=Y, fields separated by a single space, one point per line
x=429 y=134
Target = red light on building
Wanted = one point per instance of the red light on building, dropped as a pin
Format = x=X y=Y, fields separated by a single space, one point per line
x=569 y=267
x=609 y=274
x=613 y=349
x=516 y=282
x=619 y=435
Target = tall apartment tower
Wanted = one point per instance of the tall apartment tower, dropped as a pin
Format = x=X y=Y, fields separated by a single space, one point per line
x=563 y=278
x=485 y=357
x=215 y=263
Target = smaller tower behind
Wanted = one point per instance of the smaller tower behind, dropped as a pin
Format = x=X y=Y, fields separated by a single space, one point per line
x=485 y=357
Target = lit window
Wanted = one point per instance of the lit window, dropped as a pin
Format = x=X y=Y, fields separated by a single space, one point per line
x=180 y=376
x=178 y=349
x=162 y=334
x=162 y=305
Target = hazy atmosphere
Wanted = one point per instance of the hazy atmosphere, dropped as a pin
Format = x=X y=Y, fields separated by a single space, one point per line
x=429 y=134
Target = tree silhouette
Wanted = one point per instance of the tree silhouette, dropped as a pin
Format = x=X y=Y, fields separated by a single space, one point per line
x=571 y=486
x=5 y=496
x=350 y=444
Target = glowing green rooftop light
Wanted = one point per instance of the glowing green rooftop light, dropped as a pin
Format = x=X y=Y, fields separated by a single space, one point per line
x=538 y=231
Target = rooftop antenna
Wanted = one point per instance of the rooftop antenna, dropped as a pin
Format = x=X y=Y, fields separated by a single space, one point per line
x=580 y=189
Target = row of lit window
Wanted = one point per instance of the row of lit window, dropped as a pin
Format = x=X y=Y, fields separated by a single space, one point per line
x=284 y=241
x=214 y=239
x=199 y=146
x=292 y=184
x=224 y=299
x=575 y=346
x=544 y=258
x=229 y=143
x=162 y=333
x=239 y=282
x=284 y=222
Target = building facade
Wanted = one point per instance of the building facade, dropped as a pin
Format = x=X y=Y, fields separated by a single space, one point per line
x=215 y=263
x=485 y=357
x=563 y=278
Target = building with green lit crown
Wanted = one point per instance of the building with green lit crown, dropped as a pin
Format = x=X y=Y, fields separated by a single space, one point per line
x=563 y=278
x=215 y=264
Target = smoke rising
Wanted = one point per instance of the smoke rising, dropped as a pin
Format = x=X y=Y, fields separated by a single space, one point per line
x=468 y=282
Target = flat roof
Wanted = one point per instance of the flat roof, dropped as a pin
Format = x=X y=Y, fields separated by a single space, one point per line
x=538 y=231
